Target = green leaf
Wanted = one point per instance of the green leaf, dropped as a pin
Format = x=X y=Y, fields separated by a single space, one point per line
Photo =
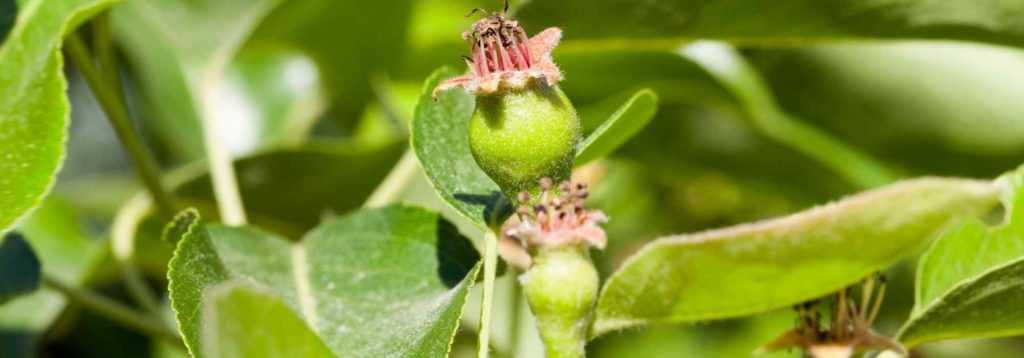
x=621 y=125
x=440 y=137
x=231 y=327
x=19 y=267
x=192 y=65
x=757 y=267
x=969 y=283
x=179 y=225
x=775 y=23
x=33 y=104
x=379 y=282
x=57 y=235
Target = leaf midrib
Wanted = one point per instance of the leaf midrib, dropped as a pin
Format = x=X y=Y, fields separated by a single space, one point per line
x=303 y=292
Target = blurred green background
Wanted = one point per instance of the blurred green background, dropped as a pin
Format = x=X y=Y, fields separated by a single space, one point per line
x=320 y=94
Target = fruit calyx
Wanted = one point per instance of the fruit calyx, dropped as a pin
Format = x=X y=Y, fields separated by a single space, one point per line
x=557 y=218
x=504 y=57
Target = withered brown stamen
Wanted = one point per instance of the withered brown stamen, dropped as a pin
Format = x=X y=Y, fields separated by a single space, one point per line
x=848 y=329
x=556 y=218
x=503 y=56
x=523 y=197
x=546 y=183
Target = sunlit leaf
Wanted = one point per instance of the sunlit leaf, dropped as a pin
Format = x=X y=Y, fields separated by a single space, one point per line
x=33 y=104
x=761 y=266
x=971 y=281
x=231 y=329
x=441 y=141
x=380 y=282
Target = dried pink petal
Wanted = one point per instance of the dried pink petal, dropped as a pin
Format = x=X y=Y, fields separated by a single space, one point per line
x=556 y=219
x=504 y=58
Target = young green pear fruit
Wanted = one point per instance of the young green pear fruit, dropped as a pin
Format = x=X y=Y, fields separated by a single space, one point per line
x=520 y=136
x=524 y=127
x=560 y=281
x=561 y=287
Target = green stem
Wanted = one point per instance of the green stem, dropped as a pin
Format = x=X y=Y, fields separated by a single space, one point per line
x=111 y=309
x=515 y=305
x=490 y=270
x=122 y=243
x=117 y=113
x=391 y=189
x=222 y=170
x=106 y=52
x=386 y=100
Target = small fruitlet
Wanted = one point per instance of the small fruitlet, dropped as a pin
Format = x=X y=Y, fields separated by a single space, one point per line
x=561 y=283
x=524 y=127
x=522 y=135
x=561 y=288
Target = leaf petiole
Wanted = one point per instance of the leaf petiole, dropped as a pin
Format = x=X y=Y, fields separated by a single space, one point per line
x=117 y=113
x=490 y=270
x=113 y=310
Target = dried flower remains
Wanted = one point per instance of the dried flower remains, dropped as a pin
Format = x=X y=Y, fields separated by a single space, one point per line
x=503 y=57
x=849 y=330
x=557 y=218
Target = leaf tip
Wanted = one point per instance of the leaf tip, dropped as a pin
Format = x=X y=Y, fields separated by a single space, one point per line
x=180 y=225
